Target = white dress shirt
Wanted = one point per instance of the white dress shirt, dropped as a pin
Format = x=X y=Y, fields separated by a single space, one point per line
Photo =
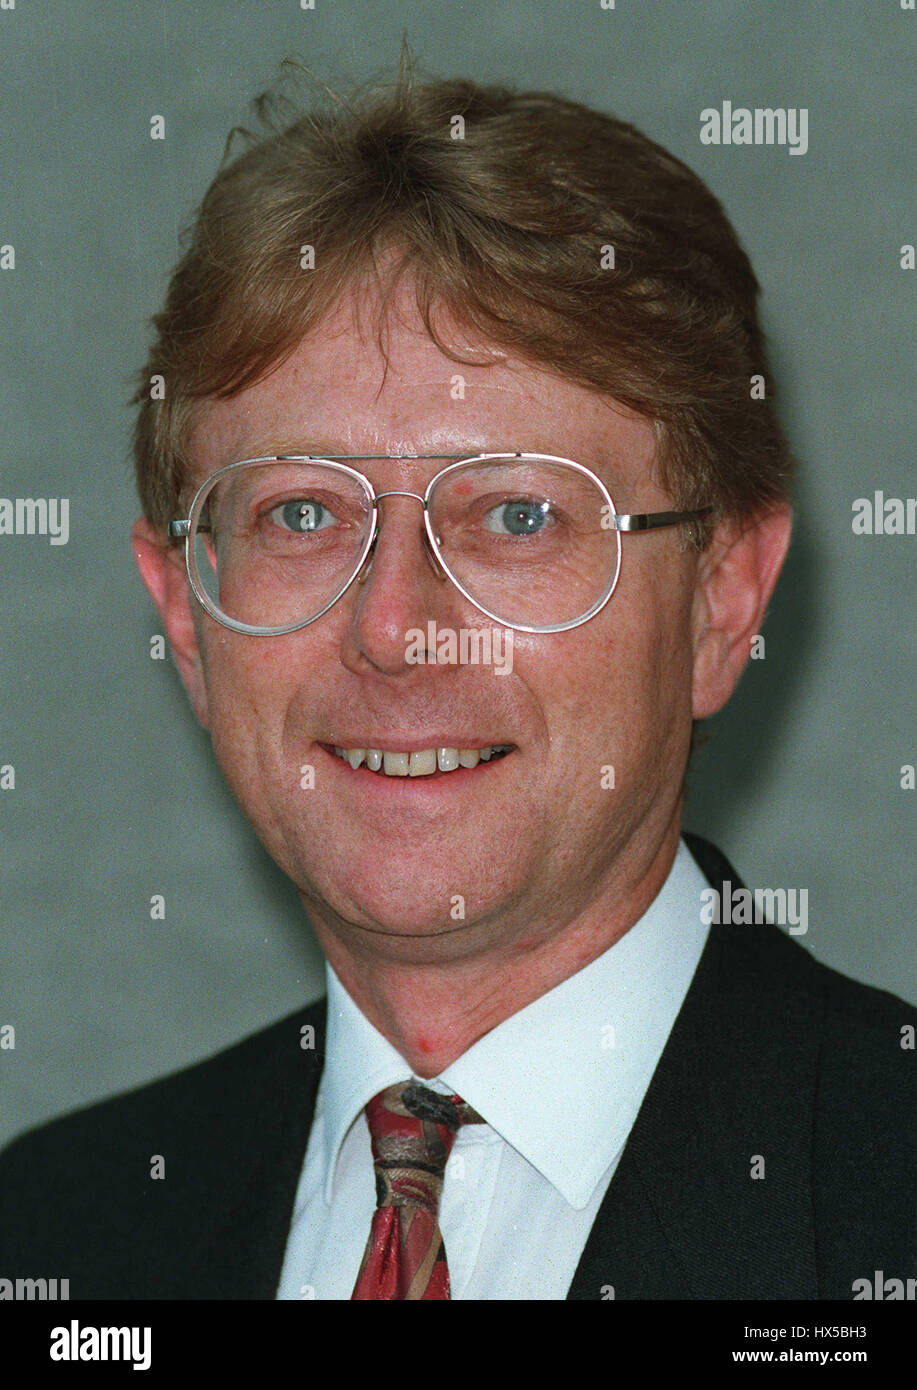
x=559 y=1085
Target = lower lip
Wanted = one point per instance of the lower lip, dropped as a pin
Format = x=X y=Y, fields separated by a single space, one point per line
x=433 y=781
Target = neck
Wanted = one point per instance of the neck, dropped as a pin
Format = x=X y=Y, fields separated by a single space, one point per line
x=432 y=1010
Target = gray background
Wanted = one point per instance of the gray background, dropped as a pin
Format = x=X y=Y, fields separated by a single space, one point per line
x=117 y=796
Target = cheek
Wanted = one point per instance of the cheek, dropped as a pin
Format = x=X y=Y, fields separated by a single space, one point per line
x=656 y=614
x=246 y=683
x=627 y=683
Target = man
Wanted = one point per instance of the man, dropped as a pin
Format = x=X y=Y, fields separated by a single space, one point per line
x=449 y=372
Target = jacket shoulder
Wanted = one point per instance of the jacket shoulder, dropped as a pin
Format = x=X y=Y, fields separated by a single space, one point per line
x=769 y=952
x=865 y=1136
x=83 y=1182
x=202 y=1093
x=856 y=1043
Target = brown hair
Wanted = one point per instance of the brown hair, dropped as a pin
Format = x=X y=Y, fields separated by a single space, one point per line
x=503 y=219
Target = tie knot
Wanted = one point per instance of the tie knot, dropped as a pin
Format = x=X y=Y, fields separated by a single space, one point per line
x=412 y=1130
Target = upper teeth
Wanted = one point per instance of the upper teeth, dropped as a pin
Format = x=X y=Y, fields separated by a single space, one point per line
x=421 y=763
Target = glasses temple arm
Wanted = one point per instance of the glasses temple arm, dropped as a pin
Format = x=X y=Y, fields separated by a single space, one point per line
x=179 y=530
x=651 y=521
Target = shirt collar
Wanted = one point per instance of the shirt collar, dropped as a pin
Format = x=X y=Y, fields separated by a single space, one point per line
x=562 y=1079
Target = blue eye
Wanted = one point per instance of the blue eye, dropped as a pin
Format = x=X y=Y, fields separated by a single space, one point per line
x=303 y=515
x=518 y=517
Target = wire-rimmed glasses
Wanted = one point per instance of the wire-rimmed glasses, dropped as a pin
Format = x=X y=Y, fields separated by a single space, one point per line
x=531 y=540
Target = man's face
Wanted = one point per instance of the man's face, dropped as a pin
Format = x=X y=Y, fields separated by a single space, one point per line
x=434 y=864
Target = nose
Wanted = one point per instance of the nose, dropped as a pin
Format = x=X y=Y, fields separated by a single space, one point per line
x=396 y=591
x=431 y=556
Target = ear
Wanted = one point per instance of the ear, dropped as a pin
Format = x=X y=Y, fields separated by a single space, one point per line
x=735 y=579
x=162 y=569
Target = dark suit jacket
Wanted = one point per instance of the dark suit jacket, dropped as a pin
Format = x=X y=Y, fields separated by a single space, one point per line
x=772 y=1054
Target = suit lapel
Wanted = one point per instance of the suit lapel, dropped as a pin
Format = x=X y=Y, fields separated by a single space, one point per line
x=683 y=1217
x=240 y=1254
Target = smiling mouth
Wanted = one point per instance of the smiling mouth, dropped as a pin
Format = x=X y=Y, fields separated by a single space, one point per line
x=423 y=762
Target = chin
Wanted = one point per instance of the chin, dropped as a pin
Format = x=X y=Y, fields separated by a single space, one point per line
x=397 y=903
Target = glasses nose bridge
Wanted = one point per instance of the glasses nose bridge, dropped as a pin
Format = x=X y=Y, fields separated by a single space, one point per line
x=399 y=492
x=428 y=547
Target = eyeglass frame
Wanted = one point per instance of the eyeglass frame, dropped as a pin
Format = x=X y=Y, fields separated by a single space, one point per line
x=620 y=522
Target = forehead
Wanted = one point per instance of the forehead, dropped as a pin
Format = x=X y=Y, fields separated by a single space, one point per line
x=342 y=391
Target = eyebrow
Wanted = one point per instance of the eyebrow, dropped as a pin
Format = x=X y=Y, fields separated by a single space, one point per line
x=293 y=446
x=296 y=448
x=272 y=446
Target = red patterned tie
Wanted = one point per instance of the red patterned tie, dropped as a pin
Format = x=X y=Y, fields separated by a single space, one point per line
x=412 y=1131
